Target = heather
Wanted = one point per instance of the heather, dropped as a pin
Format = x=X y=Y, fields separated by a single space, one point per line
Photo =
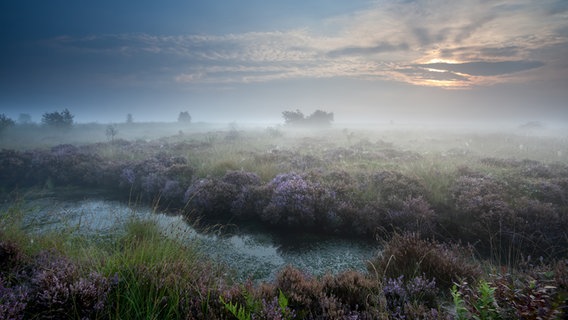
x=465 y=225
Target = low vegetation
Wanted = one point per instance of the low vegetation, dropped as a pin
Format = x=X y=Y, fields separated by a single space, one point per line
x=470 y=225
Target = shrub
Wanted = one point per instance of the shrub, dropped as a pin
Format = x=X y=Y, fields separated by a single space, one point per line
x=16 y=169
x=400 y=295
x=301 y=289
x=13 y=301
x=296 y=201
x=11 y=256
x=414 y=215
x=241 y=179
x=59 y=290
x=541 y=229
x=410 y=256
x=350 y=288
x=60 y=120
x=211 y=197
x=394 y=187
x=548 y=191
x=484 y=213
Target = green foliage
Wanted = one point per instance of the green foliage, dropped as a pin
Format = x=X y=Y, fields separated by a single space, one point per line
x=475 y=303
x=459 y=304
x=286 y=312
x=486 y=307
x=252 y=307
x=482 y=198
x=236 y=310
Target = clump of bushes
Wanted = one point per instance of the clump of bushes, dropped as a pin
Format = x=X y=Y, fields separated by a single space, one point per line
x=410 y=256
x=506 y=222
x=514 y=208
x=50 y=286
x=148 y=276
x=297 y=201
x=538 y=292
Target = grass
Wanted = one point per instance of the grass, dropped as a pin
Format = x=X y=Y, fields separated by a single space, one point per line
x=150 y=267
x=152 y=276
x=479 y=188
x=153 y=270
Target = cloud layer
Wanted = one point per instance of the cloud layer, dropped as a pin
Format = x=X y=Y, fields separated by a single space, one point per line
x=446 y=44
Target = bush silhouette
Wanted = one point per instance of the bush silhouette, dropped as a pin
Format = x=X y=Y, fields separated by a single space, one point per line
x=60 y=120
x=318 y=118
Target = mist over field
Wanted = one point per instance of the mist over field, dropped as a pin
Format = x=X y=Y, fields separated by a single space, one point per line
x=322 y=159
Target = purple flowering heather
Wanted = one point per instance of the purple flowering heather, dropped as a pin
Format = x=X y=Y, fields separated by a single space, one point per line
x=241 y=178
x=423 y=290
x=292 y=201
x=395 y=293
x=400 y=293
x=151 y=185
x=59 y=291
x=171 y=190
x=128 y=176
x=414 y=215
x=272 y=310
x=91 y=293
x=297 y=201
x=13 y=301
x=211 y=197
x=64 y=150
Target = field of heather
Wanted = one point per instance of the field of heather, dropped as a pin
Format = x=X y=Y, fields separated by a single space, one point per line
x=460 y=223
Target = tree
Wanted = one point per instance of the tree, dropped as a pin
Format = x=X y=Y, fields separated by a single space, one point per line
x=184 y=117
x=60 y=120
x=5 y=122
x=293 y=117
x=111 y=132
x=129 y=118
x=318 y=118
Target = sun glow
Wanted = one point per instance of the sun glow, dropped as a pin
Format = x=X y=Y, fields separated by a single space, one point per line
x=437 y=60
x=431 y=80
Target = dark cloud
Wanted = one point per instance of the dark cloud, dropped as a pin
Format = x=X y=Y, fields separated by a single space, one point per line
x=500 y=51
x=466 y=53
x=363 y=51
x=481 y=68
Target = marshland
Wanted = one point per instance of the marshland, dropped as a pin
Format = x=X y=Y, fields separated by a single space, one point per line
x=174 y=220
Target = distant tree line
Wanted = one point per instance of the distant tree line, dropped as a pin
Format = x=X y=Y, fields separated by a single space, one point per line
x=318 y=118
x=58 y=120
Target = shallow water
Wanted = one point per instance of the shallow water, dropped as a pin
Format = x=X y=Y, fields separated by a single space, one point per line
x=252 y=252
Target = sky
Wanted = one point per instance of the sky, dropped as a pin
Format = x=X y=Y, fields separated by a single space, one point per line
x=249 y=60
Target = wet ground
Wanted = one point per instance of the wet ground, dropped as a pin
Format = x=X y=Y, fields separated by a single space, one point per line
x=253 y=252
